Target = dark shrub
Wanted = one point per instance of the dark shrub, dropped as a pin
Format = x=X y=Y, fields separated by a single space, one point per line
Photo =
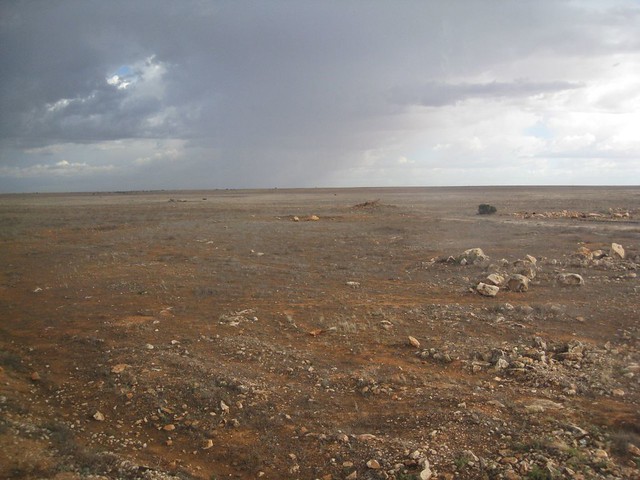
x=485 y=209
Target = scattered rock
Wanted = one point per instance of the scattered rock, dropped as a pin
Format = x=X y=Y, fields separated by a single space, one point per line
x=495 y=279
x=35 y=376
x=617 y=251
x=169 y=428
x=99 y=416
x=487 y=290
x=501 y=364
x=526 y=268
x=313 y=218
x=518 y=283
x=473 y=256
x=570 y=279
x=426 y=473
x=119 y=368
x=633 y=450
x=542 y=404
x=207 y=444
x=373 y=464
x=600 y=454
x=414 y=342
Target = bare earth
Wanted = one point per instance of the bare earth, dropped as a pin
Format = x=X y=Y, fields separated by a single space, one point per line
x=210 y=335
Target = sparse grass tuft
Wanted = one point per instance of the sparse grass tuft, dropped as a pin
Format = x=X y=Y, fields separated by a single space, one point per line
x=620 y=441
x=538 y=473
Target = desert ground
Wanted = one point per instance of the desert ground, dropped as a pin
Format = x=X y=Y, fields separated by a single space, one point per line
x=321 y=334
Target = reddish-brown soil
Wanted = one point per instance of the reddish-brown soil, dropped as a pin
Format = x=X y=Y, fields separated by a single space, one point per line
x=262 y=340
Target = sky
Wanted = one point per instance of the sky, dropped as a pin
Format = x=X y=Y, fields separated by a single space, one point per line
x=159 y=94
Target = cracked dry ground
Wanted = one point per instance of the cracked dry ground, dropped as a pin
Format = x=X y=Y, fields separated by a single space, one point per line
x=209 y=335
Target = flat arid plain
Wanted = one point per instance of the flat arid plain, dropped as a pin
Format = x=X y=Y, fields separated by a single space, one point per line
x=330 y=334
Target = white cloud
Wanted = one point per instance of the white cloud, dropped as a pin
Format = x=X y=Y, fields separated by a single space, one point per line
x=62 y=168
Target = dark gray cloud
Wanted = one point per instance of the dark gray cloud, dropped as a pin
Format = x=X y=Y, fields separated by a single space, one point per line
x=261 y=91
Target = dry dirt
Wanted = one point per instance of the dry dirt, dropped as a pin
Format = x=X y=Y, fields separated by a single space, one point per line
x=211 y=335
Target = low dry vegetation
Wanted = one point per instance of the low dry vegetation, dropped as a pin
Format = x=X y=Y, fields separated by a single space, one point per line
x=330 y=334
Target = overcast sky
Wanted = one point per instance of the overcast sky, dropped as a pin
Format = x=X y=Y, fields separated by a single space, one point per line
x=160 y=94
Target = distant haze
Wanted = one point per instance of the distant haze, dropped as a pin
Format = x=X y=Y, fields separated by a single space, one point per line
x=164 y=94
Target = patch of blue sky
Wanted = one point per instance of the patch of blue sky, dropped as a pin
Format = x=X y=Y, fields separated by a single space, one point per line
x=539 y=130
x=124 y=71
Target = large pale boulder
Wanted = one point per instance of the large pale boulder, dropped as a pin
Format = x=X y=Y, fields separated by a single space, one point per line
x=472 y=256
x=518 y=283
x=526 y=268
x=616 y=251
x=487 y=290
x=495 y=279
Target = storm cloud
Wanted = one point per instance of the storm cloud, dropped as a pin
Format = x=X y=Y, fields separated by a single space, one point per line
x=208 y=94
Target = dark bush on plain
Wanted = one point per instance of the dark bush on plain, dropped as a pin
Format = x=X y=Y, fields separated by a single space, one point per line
x=486 y=209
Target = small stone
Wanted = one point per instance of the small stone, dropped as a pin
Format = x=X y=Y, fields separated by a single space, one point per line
x=314 y=218
x=148 y=346
x=633 y=450
x=342 y=438
x=414 y=342
x=542 y=404
x=35 y=376
x=617 y=392
x=224 y=407
x=426 y=473
x=599 y=453
x=616 y=251
x=531 y=258
x=366 y=437
x=207 y=444
x=415 y=455
x=540 y=343
x=501 y=364
x=577 y=431
x=98 y=416
x=570 y=279
x=119 y=368
x=295 y=218
x=373 y=464
x=487 y=290
x=169 y=428
x=352 y=476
